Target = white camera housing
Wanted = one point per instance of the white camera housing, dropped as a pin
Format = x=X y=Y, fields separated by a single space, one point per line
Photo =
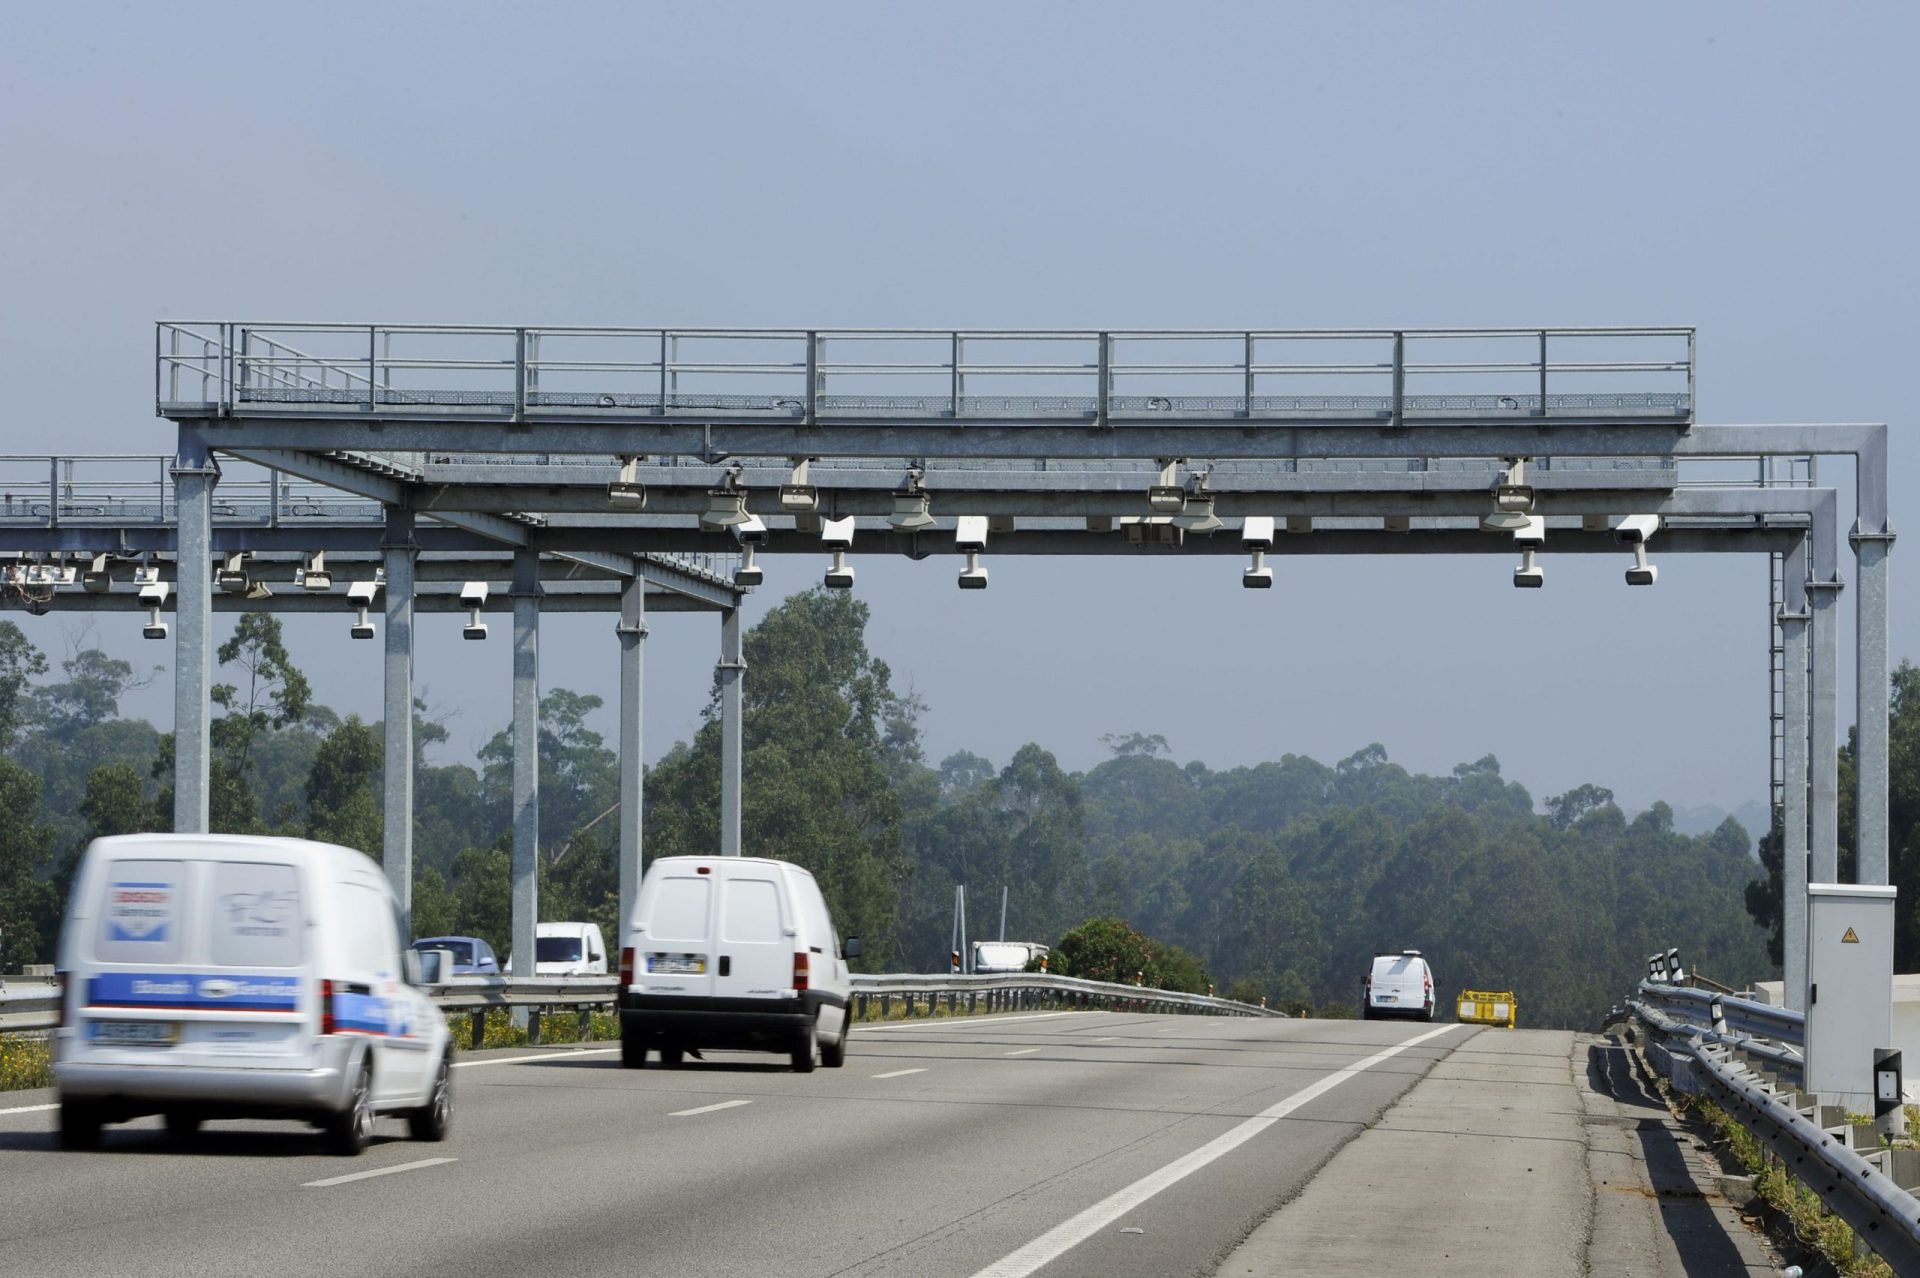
x=753 y=532
x=973 y=576
x=1529 y=575
x=839 y=575
x=154 y=593
x=749 y=573
x=1636 y=530
x=837 y=533
x=970 y=536
x=1257 y=532
x=1531 y=533
x=473 y=595
x=362 y=593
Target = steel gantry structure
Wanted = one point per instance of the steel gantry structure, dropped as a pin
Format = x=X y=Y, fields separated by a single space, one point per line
x=615 y=467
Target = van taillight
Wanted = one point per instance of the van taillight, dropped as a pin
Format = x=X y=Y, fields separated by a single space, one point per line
x=800 y=971
x=326 y=1007
x=626 y=965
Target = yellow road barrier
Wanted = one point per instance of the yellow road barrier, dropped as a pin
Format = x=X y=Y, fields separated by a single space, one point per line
x=1480 y=1007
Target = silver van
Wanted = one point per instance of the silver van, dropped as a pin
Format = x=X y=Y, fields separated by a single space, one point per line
x=221 y=976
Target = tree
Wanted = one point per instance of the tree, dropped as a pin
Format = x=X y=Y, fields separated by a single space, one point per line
x=29 y=908
x=90 y=694
x=343 y=798
x=820 y=720
x=483 y=896
x=1567 y=809
x=1134 y=744
x=20 y=661
x=275 y=694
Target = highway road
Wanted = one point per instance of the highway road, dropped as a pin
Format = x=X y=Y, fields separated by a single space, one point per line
x=1072 y=1143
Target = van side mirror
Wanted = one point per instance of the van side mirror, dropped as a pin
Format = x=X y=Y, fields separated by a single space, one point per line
x=852 y=947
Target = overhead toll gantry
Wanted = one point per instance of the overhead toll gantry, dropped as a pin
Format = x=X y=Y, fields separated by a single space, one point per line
x=661 y=467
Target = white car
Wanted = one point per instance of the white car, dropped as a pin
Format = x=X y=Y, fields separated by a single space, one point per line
x=1398 y=985
x=219 y=976
x=733 y=952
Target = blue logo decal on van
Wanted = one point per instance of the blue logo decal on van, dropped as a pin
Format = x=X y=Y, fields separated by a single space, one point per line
x=195 y=991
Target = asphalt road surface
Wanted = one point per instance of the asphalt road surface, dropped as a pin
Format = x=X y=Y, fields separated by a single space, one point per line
x=1071 y=1143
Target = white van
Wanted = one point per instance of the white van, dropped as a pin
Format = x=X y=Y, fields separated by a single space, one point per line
x=1005 y=956
x=223 y=976
x=567 y=949
x=1398 y=985
x=733 y=952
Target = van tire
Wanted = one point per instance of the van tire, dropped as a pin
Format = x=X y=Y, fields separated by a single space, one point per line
x=671 y=1057
x=79 y=1125
x=433 y=1120
x=182 y=1125
x=633 y=1049
x=834 y=1055
x=349 y=1130
x=806 y=1053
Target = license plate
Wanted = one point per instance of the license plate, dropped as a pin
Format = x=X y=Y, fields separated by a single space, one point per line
x=159 y=1032
x=677 y=964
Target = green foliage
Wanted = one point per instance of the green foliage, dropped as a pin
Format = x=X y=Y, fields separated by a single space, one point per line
x=20 y=661
x=483 y=897
x=435 y=912
x=25 y=1062
x=343 y=789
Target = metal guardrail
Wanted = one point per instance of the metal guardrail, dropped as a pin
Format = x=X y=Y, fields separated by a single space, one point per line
x=29 y=1005
x=1748 y=1057
x=1884 y=1216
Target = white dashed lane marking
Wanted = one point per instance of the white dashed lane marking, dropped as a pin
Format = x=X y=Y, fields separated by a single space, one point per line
x=378 y=1171
x=708 y=1109
x=901 y=1073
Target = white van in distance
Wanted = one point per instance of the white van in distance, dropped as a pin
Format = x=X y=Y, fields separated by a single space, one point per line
x=1398 y=985
x=733 y=952
x=567 y=949
x=223 y=976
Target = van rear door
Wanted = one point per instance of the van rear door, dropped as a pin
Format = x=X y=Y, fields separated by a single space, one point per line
x=756 y=957
x=197 y=959
x=675 y=949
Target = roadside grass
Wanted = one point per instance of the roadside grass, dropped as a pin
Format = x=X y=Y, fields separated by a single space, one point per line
x=557 y=1029
x=26 y=1061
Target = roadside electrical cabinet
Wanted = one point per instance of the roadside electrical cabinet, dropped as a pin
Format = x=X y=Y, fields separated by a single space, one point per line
x=1849 y=989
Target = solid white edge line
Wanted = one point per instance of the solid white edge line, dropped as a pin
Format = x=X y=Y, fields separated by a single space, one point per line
x=708 y=1109
x=900 y=1073
x=29 y=1109
x=378 y=1171
x=1077 y=1229
x=555 y=1055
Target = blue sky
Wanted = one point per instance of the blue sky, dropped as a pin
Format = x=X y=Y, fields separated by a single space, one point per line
x=1746 y=170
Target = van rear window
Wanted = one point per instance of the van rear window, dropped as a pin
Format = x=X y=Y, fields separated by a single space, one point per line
x=556 y=949
x=257 y=915
x=752 y=911
x=142 y=912
x=680 y=910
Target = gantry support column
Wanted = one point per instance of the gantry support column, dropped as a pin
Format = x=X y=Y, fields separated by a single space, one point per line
x=526 y=757
x=632 y=630
x=1872 y=539
x=1794 y=618
x=194 y=474
x=732 y=666
x=397 y=761
x=1823 y=590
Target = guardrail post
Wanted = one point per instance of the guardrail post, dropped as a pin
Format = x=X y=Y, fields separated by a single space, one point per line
x=533 y=1025
x=886 y=1006
x=585 y=1029
x=479 y=1028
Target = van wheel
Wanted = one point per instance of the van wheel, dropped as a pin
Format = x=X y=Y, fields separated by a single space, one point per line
x=182 y=1124
x=806 y=1053
x=1366 y=1012
x=671 y=1057
x=349 y=1130
x=79 y=1125
x=633 y=1049
x=433 y=1120
x=834 y=1055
